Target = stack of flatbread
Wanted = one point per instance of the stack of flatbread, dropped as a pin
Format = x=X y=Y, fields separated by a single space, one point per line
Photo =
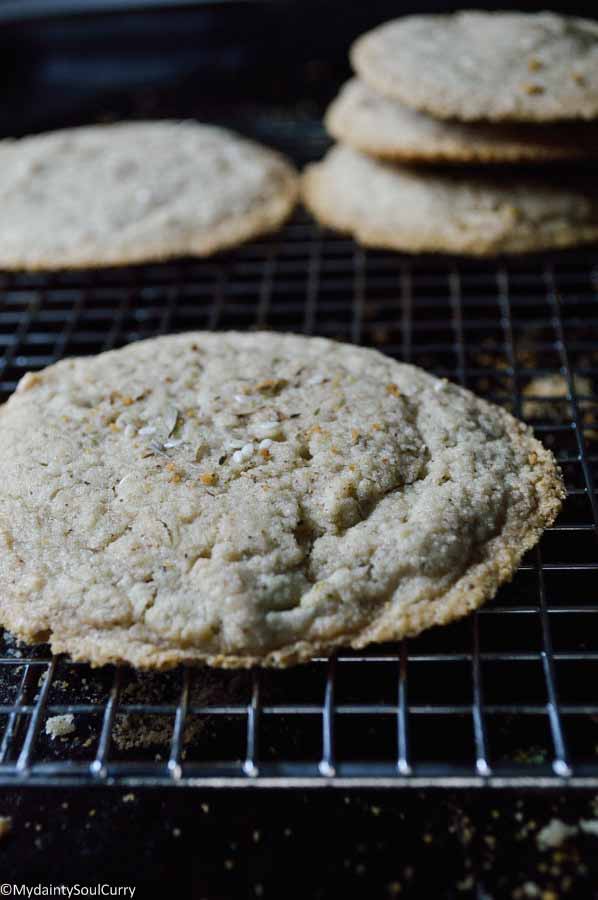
x=468 y=133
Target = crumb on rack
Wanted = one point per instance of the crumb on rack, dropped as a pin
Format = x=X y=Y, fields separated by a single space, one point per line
x=554 y=834
x=60 y=726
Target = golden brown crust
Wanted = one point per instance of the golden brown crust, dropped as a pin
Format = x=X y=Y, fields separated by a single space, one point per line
x=387 y=129
x=475 y=588
x=222 y=238
x=479 y=583
x=447 y=212
x=220 y=191
x=485 y=66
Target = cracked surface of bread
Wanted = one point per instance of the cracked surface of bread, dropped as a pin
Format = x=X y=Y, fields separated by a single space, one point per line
x=493 y=66
x=386 y=128
x=134 y=192
x=477 y=213
x=256 y=498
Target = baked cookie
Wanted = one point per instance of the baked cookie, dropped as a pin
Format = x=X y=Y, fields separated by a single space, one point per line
x=547 y=396
x=379 y=126
x=127 y=193
x=499 y=66
x=403 y=208
x=255 y=498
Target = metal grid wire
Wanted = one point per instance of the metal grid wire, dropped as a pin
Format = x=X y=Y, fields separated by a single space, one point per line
x=508 y=696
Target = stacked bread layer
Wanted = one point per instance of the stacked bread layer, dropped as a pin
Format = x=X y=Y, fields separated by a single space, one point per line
x=448 y=128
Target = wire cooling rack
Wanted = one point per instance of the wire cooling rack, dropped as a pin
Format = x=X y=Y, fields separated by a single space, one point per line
x=506 y=697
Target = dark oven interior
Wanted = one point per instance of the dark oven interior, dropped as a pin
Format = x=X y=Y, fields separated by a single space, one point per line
x=508 y=696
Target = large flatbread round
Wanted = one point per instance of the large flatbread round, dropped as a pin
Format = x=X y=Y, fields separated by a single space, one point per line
x=418 y=210
x=241 y=499
x=385 y=128
x=135 y=192
x=527 y=67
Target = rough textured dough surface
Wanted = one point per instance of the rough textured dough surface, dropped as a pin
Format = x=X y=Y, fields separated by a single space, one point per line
x=255 y=498
x=379 y=126
x=133 y=192
x=403 y=208
x=527 y=67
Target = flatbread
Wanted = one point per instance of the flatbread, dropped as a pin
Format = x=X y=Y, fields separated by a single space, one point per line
x=385 y=128
x=241 y=499
x=448 y=211
x=134 y=192
x=496 y=66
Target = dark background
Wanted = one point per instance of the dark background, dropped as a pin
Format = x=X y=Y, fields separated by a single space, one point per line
x=60 y=69
x=83 y=67
x=216 y=845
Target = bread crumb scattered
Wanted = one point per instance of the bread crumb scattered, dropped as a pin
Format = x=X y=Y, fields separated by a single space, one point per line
x=60 y=726
x=554 y=834
x=590 y=826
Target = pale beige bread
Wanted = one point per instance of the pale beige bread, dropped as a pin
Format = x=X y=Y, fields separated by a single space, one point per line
x=256 y=498
x=406 y=208
x=547 y=397
x=137 y=191
x=496 y=66
x=385 y=128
